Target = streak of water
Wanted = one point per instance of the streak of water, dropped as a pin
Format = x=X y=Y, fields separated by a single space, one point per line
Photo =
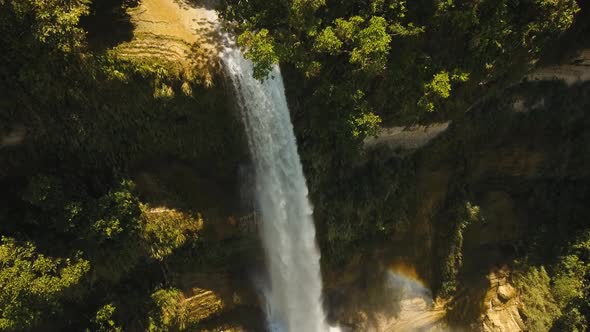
x=293 y=298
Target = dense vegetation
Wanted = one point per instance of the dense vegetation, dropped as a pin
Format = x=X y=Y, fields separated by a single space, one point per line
x=549 y=246
x=360 y=64
x=79 y=250
x=411 y=56
x=82 y=249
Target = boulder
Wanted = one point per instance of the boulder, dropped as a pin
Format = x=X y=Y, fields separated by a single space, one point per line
x=506 y=292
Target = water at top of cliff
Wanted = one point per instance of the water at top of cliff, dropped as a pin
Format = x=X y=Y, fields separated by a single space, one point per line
x=293 y=296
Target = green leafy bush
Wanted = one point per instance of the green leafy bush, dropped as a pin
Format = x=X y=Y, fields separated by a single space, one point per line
x=169 y=313
x=34 y=285
x=104 y=319
x=539 y=307
x=167 y=230
x=259 y=47
x=453 y=262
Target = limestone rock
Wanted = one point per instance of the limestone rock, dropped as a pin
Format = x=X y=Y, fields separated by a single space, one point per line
x=577 y=71
x=179 y=32
x=407 y=138
x=501 y=314
x=203 y=304
x=506 y=292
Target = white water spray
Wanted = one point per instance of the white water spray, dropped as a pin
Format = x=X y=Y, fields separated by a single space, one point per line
x=288 y=232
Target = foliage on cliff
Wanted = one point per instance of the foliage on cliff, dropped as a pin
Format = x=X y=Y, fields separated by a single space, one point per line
x=79 y=250
x=410 y=56
x=558 y=301
x=33 y=285
x=353 y=65
x=526 y=173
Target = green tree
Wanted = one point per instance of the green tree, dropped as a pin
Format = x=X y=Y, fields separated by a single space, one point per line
x=539 y=307
x=167 y=230
x=372 y=46
x=32 y=285
x=453 y=262
x=568 y=282
x=348 y=29
x=571 y=285
x=302 y=13
x=439 y=89
x=52 y=22
x=104 y=319
x=114 y=233
x=328 y=42
x=259 y=48
x=169 y=312
x=493 y=42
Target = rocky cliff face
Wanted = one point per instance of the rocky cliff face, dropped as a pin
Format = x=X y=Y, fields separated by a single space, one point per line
x=508 y=157
x=576 y=70
x=183 y=33
x=519 y=158
x=501 y=312
x=525 y=171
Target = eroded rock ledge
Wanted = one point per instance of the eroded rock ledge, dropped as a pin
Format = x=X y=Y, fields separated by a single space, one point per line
x=182 y=32
x=407 y=138
x=576 y=71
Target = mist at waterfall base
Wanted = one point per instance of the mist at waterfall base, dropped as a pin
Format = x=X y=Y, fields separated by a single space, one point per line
x=415 y=308
x=407 y=285
x=293 y=295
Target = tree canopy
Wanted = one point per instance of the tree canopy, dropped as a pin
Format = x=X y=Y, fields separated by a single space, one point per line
x=32 y=284
x=378 y=45
x=81 y=249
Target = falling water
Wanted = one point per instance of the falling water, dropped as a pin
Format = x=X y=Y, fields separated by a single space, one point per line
x=293 y=299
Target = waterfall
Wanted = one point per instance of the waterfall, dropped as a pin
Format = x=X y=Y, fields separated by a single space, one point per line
x=293 y=299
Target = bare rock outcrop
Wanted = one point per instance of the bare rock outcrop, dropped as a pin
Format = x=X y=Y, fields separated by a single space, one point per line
x=181 y=32
x=407 y=137
x=576 y=71
x=417 y=315
x=14 y=137
x=501 y=305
